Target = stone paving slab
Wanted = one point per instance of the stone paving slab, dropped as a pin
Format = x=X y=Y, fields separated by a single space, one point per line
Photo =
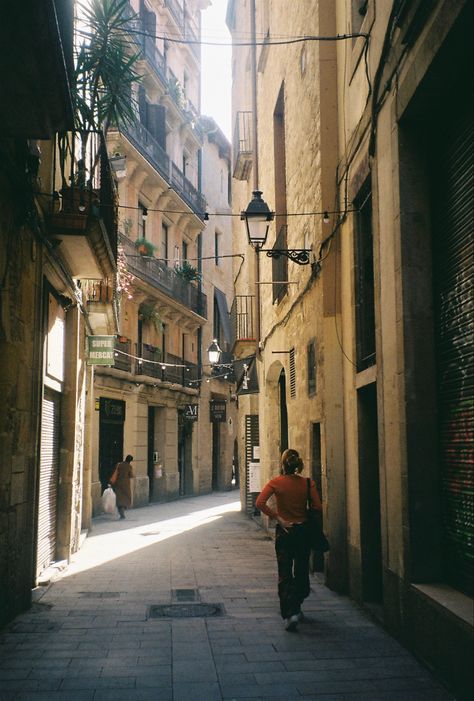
x=88 y=636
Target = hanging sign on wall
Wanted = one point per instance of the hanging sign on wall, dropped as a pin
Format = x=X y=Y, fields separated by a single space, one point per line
x=191 y=412
x=100 y=350
x=218 y=410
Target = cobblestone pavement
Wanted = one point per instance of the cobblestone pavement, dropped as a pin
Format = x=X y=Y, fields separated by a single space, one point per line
x=90 y=635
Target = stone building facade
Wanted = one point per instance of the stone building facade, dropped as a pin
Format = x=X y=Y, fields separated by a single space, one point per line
x=285 y=315
x=54 y=244
x=170 y=200
x=376 y=129
x=216 y=437
x=405 y=154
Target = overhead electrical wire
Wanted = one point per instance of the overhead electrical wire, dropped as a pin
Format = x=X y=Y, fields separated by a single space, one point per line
x=263 y=42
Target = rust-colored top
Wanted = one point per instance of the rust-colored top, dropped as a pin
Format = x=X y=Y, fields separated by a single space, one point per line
x=121 y=486
x=290 y=493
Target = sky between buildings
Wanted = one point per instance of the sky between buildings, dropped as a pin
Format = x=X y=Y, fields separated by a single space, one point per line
x=216 y=66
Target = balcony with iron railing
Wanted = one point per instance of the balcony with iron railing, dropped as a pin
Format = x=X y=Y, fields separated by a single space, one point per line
x=146 y=144
x=176 y=10
x=82 y=212
x=243 y=145
x=157 y=274
x=242 y=326
x=123 y=355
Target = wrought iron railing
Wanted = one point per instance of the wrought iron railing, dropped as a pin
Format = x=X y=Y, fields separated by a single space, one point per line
x=242 y=319
x=156 y=273
x=123 y=360
x=148 y=358
x=242 y=144
x=154 y=57
x=150 y=149
x=176 y=10
x=243 y=133
x=87 y=190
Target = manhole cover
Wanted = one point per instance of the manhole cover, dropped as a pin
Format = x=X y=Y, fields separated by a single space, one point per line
x=185 y=610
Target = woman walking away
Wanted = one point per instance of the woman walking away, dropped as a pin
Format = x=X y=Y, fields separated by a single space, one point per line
x=291 y=542
x=120 y=481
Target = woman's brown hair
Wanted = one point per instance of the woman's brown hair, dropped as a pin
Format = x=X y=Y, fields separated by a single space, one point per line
x=291 y=462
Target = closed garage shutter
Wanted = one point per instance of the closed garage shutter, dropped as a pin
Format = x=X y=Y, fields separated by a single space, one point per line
x=48 y=482
x=454 y=302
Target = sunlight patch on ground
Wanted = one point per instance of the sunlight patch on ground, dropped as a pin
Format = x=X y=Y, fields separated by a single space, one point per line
x=103 y=548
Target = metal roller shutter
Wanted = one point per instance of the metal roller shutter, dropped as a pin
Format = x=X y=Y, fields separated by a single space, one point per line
x=454 y=306
x=48 y=482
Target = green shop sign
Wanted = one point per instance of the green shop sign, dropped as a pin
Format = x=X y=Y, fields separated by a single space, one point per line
x=100 y=350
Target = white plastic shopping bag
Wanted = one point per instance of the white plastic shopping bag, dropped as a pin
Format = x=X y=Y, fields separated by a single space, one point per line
x=109 y=500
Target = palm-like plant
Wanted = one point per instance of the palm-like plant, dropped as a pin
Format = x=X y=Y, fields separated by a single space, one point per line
x=105 y=69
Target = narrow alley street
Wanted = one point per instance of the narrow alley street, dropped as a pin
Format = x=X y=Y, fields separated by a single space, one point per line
x=92 y=635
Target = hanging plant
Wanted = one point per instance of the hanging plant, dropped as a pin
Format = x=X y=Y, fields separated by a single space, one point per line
x=148 y=312
x=188 y=272
x=125 y=278
x=144 y=247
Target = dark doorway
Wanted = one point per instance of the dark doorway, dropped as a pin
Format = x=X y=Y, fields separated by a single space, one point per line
x=316 y=460
x=112 y=417
x=185 y=466
x=283 y=412
x=216 y=449
x=369 y=493
x=150 y=450
x=316 y=474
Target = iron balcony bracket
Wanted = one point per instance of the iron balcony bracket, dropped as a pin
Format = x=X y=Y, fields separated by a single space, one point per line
x=297 y=255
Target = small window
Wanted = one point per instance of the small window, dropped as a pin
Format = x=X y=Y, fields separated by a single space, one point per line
x=142 y=213
x=164 y=243
x=185 y=251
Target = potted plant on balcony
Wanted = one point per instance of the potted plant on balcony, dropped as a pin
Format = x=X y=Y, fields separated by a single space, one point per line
x=101 y=90
x=147 y=312
x=187 y=272
x=144 y=247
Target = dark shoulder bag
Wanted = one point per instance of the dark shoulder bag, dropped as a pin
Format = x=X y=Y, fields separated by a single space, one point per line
x=317 y=539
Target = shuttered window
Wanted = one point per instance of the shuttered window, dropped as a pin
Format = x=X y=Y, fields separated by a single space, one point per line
x=292 y=374
x=452 y=191
x=48 y=481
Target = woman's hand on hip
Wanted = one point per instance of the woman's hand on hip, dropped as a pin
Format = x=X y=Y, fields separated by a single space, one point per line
x=284 y=524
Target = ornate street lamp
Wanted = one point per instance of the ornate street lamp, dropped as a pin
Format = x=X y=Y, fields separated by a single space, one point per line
x=257 y=218
x=214 y=352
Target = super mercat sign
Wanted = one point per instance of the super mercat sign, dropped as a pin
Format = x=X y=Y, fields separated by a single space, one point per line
x=100 y=350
